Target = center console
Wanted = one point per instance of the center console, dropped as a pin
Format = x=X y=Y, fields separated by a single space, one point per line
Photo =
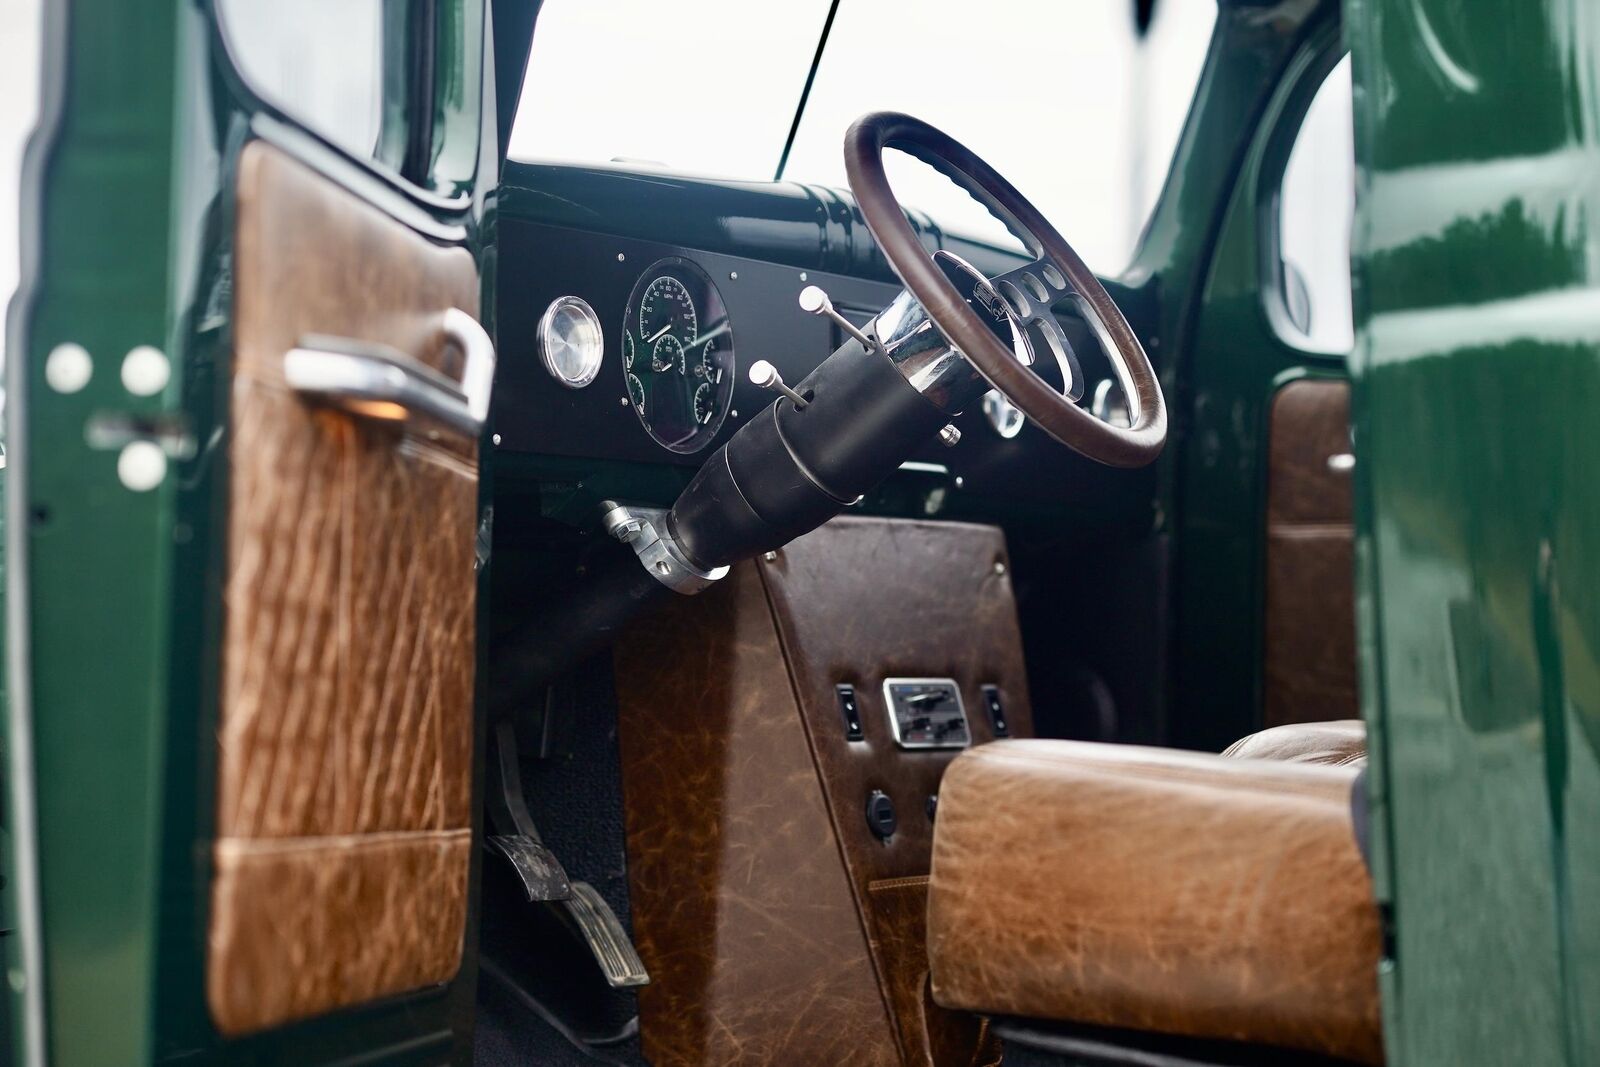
x=783 y=736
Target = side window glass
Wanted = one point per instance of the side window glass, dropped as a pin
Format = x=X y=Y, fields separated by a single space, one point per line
x=457 y=95
x=322 y=64
x=346 y=71
x=1315 y=210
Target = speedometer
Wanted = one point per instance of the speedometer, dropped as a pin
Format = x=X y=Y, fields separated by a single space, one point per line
x=680 y=379
x=667 y=310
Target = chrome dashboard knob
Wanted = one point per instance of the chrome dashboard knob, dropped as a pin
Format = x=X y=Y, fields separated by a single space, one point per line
x=813 y=301
x=766 y=376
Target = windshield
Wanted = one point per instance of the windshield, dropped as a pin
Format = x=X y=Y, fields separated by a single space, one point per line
x=1071 y=102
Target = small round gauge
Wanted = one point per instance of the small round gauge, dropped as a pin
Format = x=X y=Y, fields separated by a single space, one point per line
x=681 y=374
x=571 y=341
x=705 y=403
x=668 y=355
x=704 y=365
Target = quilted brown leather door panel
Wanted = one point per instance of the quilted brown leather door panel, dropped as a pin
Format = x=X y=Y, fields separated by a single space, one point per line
x=1309 y=645
x=346 y=723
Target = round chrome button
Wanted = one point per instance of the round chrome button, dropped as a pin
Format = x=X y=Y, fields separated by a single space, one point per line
x=1004 y=417
x=571 y=342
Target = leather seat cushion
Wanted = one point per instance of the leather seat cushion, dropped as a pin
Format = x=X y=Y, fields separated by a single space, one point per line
x=1152 y=889
x=1342 y=742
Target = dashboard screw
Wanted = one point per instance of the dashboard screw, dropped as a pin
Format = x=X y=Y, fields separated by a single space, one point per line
x=624 y=401
x=621 y=258
x=802 y=275
x=733 y=275
x=999 y=567
x=496 y=438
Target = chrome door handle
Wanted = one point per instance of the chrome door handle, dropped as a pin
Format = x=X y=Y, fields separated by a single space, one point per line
x=377 y=381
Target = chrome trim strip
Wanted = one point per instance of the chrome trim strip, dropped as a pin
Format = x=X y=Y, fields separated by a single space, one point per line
x=23 y=792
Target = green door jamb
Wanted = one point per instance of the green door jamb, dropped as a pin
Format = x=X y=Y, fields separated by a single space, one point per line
x=87 y=553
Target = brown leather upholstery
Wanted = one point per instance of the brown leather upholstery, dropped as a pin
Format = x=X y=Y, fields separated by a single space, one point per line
x=776 y=927
x=742 y=910
x=1340 y=743
x=1151 y=889
x=939 y=604
x=1309 y=620
x=345 y=732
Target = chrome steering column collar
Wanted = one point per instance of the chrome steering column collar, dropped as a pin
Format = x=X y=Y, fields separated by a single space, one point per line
x=645 y=529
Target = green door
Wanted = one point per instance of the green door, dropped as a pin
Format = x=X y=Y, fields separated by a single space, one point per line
x=1477 y=379
x=233 y=212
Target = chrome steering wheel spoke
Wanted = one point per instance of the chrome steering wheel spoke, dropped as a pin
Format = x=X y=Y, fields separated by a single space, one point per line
x=1031 y=292
x=1034 y=288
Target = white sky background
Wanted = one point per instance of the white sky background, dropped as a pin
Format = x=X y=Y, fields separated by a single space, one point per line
x=1058 y=97
x=19 y=95
x=1318 y=204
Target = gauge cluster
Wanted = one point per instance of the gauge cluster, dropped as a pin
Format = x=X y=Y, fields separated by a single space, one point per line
x=623 y=350
x=677 y=354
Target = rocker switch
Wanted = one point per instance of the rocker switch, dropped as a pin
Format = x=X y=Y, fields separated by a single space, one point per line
x=997 y=712
x=850 y=708
x=880 y=815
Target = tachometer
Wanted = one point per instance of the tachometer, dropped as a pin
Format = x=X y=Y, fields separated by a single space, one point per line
x=681 y=374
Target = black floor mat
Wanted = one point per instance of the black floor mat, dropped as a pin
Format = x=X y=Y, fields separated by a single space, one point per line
x=574 y=793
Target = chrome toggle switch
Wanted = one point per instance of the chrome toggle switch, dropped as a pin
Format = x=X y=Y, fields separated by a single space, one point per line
x=766 y=376
x=814 y=301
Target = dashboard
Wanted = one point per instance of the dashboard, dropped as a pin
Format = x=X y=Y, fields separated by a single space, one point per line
x=679 y=326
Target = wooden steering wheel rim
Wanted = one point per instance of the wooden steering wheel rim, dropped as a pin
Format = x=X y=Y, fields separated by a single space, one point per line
x=1117 y=446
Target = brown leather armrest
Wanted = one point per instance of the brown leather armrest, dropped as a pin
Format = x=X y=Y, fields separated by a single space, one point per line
x=1158 y=890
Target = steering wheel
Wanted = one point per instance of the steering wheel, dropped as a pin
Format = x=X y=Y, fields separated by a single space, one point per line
x=1055 y=274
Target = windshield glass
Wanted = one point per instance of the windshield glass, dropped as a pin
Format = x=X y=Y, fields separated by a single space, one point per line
x=1071 y=102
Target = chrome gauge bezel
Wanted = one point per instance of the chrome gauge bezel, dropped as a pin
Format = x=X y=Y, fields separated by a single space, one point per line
x=548 y=340
x=675 y=327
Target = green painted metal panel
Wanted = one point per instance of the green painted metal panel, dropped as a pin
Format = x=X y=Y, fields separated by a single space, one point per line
x=1230 y=359
x=98 y=554
x=123 y=586
x=1477 y=380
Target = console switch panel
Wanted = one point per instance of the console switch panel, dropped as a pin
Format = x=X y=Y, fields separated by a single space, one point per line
x=926 y=713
